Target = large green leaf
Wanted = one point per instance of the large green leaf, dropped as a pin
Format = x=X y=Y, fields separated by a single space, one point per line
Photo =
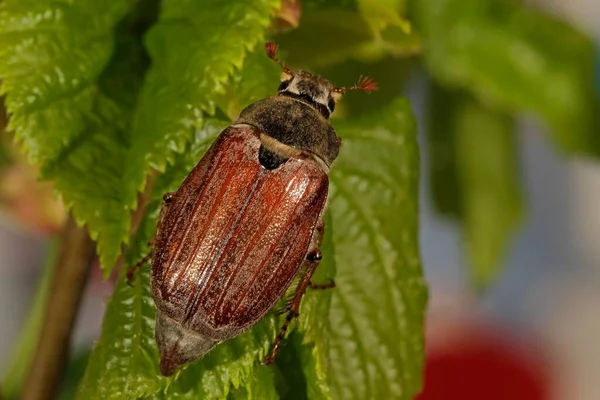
x=72 y=105
x=475 y=175
x=515 y=59
x=377 y=311
x=53 y=59
x=194 y=48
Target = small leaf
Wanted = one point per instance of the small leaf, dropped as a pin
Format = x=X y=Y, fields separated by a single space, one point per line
x=442 y=159
x=515 y=59
x=481 y=149
x=376 y=318
x=52 y=60
x=488 y=168
x=336 y=35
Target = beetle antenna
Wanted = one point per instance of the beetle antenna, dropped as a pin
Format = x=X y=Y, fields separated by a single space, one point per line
x=364 y=83
x=271 y=49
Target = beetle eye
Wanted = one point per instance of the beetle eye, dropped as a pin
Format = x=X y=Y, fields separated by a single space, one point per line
x=284 y=85
x=331 y=105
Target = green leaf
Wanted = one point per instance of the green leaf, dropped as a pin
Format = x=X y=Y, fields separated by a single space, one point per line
x=312 y=347
x=488 y=168
x=259 y=386
x=194 y=48
x=442 y=159
x=72 y=104
x=73 y=374
x=376 y=318
x=336 y=35
x=256 y=80
x=313 y=360
x=300 y=368
x=347 y=5
x=515 y=59
x=52 y=60
x=477 y=174
x=379 y=14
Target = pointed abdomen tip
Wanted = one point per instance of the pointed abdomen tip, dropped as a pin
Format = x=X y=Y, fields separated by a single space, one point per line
x=178 y=345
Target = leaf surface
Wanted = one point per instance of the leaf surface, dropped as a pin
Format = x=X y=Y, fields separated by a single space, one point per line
x=377 y=311
x=55 y=61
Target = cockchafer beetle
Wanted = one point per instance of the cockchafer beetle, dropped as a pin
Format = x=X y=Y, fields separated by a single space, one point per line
x=246 y=221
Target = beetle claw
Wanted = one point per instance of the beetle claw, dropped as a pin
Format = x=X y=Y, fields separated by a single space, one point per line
x=322 y=286
x=168 y=197
x=285 y=309
x=268 y=361
x=314 y=256
x=131 y=271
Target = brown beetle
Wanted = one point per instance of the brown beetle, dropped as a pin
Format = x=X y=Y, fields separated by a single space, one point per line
x=246 y=221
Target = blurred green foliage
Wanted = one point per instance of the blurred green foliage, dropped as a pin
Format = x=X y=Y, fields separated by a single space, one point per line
x=102 y=97
x=474 y=165
x=490 y=62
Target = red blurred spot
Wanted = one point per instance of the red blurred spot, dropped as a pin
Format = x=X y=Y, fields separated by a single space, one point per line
x=482 y=367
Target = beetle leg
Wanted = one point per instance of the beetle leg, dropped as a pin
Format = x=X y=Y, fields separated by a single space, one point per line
x=294 y=306
x=132 y=270
x=167 y=199
x=314 y=256
x=322 y=286
x=275 y=349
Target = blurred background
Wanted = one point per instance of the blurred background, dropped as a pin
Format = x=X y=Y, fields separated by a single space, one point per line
x=524 y=327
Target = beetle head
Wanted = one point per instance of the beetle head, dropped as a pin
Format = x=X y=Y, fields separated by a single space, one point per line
x=312 y=89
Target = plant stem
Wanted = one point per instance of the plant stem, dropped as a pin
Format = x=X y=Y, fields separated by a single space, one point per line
x=24 y=349
x=76 y=254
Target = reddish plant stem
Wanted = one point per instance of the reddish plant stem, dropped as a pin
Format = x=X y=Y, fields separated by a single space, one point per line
x=76 y=254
